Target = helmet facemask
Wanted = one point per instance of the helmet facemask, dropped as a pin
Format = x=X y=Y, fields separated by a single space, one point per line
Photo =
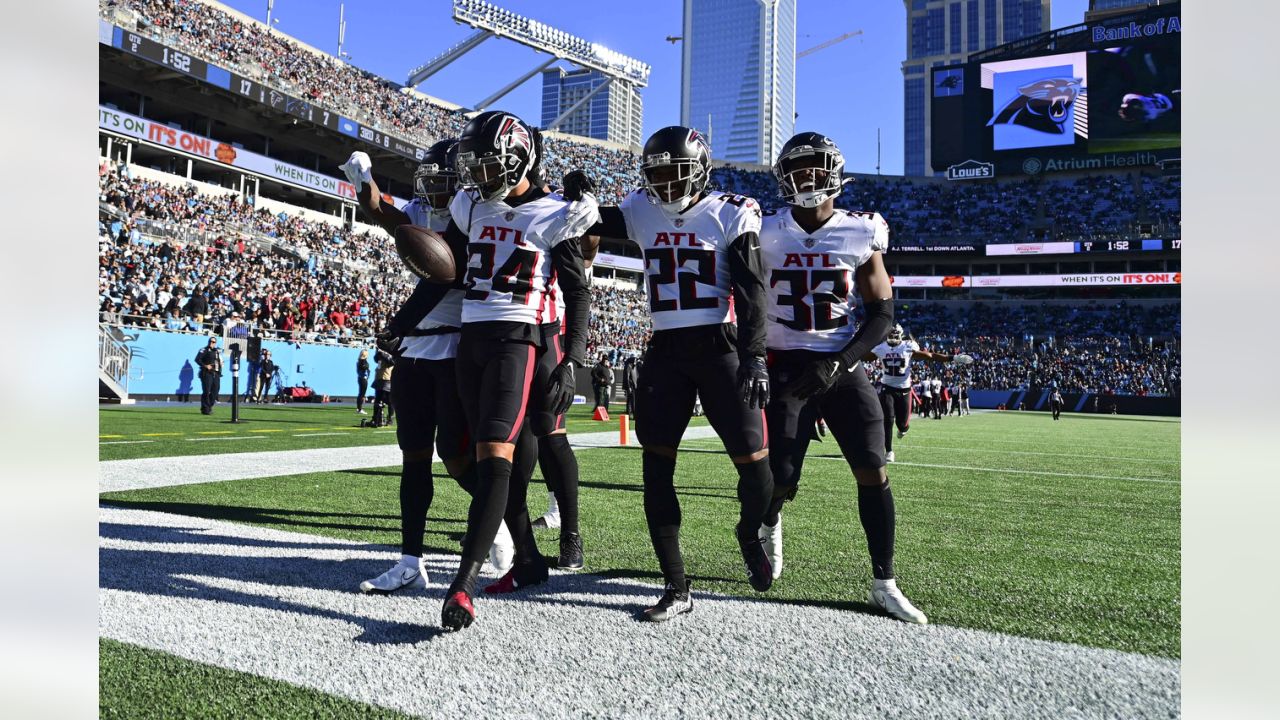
x=895 y=336
x=490 y=177
x=435 y=185
x=809 y=176
x=672 y=184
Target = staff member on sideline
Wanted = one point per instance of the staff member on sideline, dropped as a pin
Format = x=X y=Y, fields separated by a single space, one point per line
x=362 y=378
x=267 y=370
x=210 y=361
x=602 y=382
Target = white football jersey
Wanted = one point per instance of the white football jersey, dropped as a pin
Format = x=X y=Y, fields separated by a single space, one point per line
x=809 y=278
x=448 y=313
x=686 y=258
x=509 y=267
x=896 y=360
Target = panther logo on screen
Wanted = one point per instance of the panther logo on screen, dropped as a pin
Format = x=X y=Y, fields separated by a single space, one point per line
x=1044 y=105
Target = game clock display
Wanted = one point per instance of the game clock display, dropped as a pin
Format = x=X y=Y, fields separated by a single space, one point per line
x=1094 y=246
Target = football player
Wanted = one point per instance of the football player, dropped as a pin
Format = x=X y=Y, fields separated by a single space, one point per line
x=517 y=238
x=706 y=297
x=817 y=258
x=425 y=393
x=1055 y=403
x=895 y=355
x=555 y=456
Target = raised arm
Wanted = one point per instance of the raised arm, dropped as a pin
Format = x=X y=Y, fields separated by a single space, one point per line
x=359 y=170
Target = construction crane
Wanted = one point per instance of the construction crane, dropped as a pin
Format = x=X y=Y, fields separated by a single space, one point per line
x=828 y=44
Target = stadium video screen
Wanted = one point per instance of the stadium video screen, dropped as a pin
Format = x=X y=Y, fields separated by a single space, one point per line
x=1114 y=97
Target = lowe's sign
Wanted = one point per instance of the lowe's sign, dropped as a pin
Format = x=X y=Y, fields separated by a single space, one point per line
x=971 y=170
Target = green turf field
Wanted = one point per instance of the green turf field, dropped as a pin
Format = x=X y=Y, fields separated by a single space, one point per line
x=138 y=683
x=176 y=429
x=1007 y=522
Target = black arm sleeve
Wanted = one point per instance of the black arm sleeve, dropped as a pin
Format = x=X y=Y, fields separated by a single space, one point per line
x=611 y=225
x=427 y=295
x=572 y=277
x=746 y=270
x=873 y=331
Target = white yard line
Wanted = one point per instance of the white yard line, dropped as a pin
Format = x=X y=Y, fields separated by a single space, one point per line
x=318 y=434
x=283 y=605
x=141 y=473
x=123 y=442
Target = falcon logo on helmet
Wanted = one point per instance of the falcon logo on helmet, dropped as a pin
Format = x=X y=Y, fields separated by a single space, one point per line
x=895 y=335
x=809 y=170
x=496 y=151
x=676 y=162
x=436 y=179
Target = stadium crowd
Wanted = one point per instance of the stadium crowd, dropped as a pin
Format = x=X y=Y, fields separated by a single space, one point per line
x=276 y=288
x=279 y=61
x=196 y=282
x=619 y=323
x=922 y=213
x=1113 y=348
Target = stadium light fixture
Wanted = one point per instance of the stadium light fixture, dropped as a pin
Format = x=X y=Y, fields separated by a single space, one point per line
x=489 y=19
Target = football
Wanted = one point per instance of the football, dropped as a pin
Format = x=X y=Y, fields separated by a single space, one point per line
x=426 y=254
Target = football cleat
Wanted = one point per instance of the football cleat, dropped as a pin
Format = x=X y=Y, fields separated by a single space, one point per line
x=458 y=612
x=552 y=518
x=399 y=577
x=519 y=577
x=673 y=602
x=888 y=457
x=503 y=551
x=886 y=596
x=772 y=539
x=759 y=570
x=570 y=551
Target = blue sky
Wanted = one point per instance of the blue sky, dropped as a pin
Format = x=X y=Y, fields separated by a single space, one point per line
x=846 y=91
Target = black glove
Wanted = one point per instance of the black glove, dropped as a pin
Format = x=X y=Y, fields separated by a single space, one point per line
x=576 y=184
x=753 y=382
x=387 y=342
x=560 y=388
x=816 y=378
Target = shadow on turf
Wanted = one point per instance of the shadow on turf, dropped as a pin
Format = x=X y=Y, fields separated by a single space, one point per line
x=161 y=573
x=169 y=574
x=273 y=516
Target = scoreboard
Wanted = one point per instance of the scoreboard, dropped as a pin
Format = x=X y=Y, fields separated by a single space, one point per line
x=1102 y=95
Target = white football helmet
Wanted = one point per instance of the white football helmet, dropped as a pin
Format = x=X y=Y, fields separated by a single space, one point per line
x=895 y=335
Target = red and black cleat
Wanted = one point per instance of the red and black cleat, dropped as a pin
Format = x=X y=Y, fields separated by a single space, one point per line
x=518 y=577
x=458 y=611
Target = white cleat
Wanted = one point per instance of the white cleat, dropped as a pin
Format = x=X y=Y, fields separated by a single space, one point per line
x=886 y=596
x=503 y=552
x=552 y=519
x=772 y=538
x=400 y=577
x=888 y=457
